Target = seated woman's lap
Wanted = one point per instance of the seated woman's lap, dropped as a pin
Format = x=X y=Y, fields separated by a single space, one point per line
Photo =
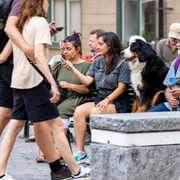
x=159 y=108
x=110 y=109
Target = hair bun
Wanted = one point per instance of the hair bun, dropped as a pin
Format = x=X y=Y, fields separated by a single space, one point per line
x=77 y=34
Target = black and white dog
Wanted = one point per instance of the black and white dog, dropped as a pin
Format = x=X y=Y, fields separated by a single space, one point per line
x=148 y=72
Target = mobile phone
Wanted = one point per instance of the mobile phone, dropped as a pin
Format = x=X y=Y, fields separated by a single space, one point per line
x=59 y=58
x=62 y=60
x=58 y=28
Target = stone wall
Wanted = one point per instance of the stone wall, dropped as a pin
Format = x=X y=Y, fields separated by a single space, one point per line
x=117 y=153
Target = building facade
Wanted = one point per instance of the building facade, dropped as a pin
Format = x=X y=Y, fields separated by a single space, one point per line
x=148 y=18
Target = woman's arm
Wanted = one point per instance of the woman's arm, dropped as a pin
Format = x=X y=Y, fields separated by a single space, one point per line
x=86 y=80
x=6 y=52
x=82 y=89
x=44 y=68
x=118 y=91
x=113 y=96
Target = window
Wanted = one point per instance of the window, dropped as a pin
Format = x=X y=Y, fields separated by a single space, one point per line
x=147 y=18
x=136 y=17
x=66 y=13
x=129 y=19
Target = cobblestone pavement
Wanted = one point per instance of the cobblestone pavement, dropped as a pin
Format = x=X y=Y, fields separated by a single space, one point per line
x=22 y=163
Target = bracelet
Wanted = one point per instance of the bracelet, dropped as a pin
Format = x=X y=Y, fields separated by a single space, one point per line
x=108 y=99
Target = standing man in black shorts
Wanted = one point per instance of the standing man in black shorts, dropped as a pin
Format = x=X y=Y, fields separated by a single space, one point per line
x=6 y=66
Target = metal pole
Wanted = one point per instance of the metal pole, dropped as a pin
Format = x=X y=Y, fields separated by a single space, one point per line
x=160 y=20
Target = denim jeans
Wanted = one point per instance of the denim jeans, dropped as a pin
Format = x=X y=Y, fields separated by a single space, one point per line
x=159 y=108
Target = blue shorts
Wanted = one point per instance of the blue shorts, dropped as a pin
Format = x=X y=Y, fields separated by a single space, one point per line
x=6 y=93
x=34 y=103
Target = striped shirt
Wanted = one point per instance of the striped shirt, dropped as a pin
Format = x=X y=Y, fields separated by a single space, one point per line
x=15 y=10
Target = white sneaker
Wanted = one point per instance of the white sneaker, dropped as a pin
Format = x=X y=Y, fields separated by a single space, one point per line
x=84 y=172
x=7 y=177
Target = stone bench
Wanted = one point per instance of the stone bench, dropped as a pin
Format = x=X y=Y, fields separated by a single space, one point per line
x=135 y=146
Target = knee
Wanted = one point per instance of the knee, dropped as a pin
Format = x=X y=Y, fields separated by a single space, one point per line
x=5 y=117
x=77 y=114
x=16 y=125
x=56 y=125
x=95 y=111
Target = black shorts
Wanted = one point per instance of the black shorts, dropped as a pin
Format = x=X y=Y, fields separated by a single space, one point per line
x=6 y=93
x=34 y=103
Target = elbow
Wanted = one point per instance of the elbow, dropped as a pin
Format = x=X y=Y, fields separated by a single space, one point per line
x=2 y=60
x=6 y=29
x=87 y=84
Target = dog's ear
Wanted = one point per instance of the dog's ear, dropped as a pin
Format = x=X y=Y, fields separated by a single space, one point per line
x=147 y=52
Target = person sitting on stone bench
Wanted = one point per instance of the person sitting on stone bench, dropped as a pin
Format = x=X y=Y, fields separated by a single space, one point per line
x=71 y=47
x=172 y=95
x=111 y=75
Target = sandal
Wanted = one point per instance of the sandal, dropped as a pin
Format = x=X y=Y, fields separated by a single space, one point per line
x=41 y=159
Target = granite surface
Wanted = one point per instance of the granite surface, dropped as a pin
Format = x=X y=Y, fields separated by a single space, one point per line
x=137 y=122
x=110 y=162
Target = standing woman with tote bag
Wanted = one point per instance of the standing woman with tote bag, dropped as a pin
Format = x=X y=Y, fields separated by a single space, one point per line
x=32 y=98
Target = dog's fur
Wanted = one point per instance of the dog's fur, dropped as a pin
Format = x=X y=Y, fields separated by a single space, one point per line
x=148 y=72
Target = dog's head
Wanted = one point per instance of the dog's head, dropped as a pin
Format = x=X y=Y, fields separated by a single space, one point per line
x=138 y=50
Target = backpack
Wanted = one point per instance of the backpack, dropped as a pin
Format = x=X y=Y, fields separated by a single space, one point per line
x=5 y=7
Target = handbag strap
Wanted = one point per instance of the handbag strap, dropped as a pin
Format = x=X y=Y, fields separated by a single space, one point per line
x=176 y=64
x=37 y=69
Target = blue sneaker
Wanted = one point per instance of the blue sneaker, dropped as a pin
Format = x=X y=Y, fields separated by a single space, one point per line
x=79 y=156
x=88 y=161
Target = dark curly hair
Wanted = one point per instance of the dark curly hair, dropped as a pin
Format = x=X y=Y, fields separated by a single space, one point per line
x=112 y=40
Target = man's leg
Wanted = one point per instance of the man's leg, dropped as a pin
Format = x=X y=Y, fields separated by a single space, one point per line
x=159 y=108
x=8 y=141
x=5 y=116
x=6 y=94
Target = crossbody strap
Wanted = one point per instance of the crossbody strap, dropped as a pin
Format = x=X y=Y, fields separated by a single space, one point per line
x=37 y=69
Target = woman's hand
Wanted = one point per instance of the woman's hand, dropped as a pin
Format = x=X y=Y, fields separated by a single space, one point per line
x=102 y=105
x=56 y=94
x=69 y=66
x=65 y=84
x=51 y=25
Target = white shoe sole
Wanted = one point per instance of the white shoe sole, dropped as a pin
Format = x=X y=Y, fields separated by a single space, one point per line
x=82 y=161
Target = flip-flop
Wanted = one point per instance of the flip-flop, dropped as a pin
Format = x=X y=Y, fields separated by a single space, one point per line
x=30 y=139
x=41 y=159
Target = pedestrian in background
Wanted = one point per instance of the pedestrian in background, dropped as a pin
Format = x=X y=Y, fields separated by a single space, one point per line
x=166 y=48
